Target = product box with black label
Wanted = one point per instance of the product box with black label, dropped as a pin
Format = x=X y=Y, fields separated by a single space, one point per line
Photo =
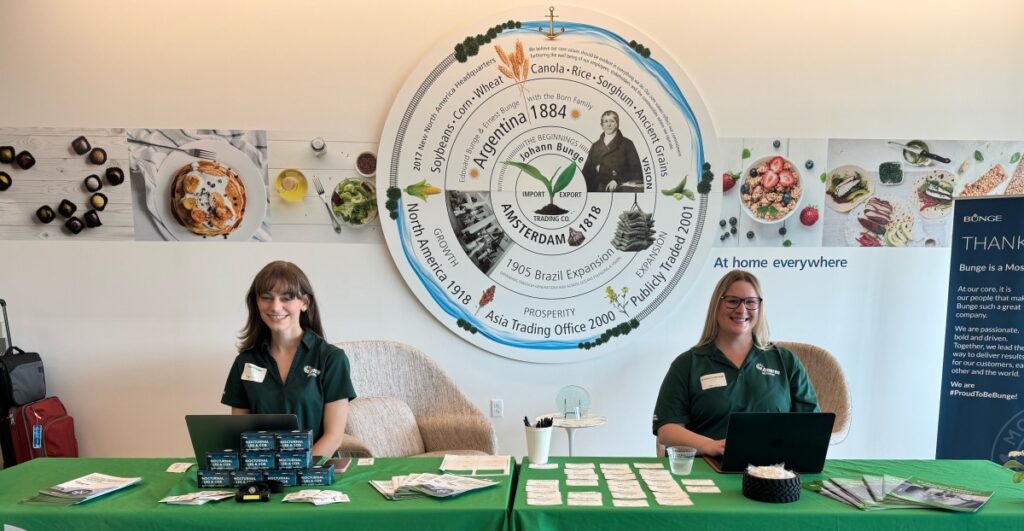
x=222 y=460
x=293 y=460
x=317 y=476
x=288 y=478
x=258 y=460
x=244 y=477
x=258 y=441
x=214 y=478
x=295 y=440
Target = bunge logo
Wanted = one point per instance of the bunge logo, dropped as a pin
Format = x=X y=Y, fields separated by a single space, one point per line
x=977 y=218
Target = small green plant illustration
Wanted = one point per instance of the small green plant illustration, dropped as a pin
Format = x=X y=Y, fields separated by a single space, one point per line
x=552 y=185
x=680 y=191
x=617 y=299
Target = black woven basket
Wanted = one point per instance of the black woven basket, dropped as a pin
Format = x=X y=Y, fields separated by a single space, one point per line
x=771 y=490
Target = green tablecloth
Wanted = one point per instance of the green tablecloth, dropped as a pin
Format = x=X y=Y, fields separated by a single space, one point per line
x=136 y=508
x=730 y=510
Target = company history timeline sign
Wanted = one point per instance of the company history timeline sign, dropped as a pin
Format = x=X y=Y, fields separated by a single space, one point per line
x=981 y=413
x=547 y=184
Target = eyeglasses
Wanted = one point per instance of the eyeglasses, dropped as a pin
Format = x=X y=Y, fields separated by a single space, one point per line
x=751 y=303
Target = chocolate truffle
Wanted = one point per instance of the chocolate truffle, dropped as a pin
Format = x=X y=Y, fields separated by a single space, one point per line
x=74 y=225
x=115 y=175
x=80 y=145
x=92 y=219
x=5 y=181
x=92 y=183
x=6 y=154
x=25 y=160
x=98 y=156
x=66 y=208
x=45 y=214
x=98 y=201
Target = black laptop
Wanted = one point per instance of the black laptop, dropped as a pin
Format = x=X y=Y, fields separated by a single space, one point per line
x=217 y=432
x=799 y=440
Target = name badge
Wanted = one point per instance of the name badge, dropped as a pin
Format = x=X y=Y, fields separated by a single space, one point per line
x=253 y=373
x=711 y=381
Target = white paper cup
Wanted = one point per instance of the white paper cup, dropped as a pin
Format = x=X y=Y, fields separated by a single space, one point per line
x=680 y=459
x=538 y=444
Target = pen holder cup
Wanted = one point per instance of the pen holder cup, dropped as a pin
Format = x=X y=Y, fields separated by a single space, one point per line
x=771 y=490
x=538 y=444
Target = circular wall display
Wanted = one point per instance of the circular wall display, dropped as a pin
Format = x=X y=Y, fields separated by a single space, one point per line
x=547 y=181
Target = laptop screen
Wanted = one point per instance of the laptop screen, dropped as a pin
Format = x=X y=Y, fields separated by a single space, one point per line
x=218 y=432
x=797 y=440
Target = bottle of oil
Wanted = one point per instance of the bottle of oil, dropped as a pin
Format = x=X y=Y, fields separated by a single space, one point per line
x=291 y=185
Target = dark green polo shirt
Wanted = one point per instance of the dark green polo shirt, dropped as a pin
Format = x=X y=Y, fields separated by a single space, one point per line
x=702 y=388
x=319 y=374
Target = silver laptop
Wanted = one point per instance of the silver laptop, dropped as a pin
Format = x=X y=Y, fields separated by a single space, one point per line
x=218 y=432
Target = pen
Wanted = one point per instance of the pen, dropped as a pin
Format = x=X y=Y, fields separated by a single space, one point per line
x=526 y=421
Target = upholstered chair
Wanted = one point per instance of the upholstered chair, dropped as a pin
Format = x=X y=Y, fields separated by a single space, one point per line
x=829 y=383
x=408 y=406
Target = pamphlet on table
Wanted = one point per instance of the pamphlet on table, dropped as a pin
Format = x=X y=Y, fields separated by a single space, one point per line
x=81 y=489
x=872 y=493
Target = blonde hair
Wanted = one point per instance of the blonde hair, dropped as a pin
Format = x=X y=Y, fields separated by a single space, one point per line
x=288 y=278
x=760 y=329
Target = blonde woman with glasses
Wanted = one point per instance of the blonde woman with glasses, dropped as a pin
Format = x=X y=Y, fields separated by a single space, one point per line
x=732 y=369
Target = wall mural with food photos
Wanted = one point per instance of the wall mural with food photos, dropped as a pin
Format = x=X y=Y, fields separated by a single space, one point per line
x=787 y=192
x=186 y=185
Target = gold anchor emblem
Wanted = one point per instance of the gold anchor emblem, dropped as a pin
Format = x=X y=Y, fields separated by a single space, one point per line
x=551 y=34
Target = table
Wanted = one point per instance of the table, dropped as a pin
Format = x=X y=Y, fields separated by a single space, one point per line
x=571 y=425
x=730 y=510
x=137 y=507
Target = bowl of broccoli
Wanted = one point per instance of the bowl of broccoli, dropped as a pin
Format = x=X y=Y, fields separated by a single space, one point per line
x=354 y=201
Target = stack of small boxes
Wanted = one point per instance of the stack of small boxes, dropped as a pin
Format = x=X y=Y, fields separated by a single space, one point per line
x=283 y=456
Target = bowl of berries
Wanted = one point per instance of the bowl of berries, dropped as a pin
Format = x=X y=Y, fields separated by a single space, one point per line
x=770 y=189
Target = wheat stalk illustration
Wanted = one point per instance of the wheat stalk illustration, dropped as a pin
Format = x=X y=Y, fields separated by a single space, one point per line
x=515 y=66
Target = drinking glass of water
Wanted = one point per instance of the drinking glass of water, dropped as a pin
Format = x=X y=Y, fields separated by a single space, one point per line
x=680 y=459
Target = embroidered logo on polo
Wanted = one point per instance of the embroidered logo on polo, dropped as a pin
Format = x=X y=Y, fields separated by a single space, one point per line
x=310 y=371
x=767 y=371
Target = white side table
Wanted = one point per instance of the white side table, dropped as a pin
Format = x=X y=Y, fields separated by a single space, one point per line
x=571 y=425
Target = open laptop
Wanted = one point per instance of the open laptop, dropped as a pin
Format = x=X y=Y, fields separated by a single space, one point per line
x=800 y=440
x=217 y=432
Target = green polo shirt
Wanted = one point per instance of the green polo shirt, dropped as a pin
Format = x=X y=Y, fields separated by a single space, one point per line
x=702 y=388
x=319 y=374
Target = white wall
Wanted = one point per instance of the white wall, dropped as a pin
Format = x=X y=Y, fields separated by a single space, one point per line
x=135 y=335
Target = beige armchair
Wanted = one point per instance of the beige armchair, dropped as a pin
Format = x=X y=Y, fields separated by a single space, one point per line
x=408 y=406
x=829 y=383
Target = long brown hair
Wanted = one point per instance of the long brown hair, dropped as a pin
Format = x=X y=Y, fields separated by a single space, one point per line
x=760 y=328
x=288 y=279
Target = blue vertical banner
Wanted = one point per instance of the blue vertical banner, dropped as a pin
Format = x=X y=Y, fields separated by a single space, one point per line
x=981 y=414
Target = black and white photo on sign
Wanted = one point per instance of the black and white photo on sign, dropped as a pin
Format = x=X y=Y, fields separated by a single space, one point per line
x=613 y=164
